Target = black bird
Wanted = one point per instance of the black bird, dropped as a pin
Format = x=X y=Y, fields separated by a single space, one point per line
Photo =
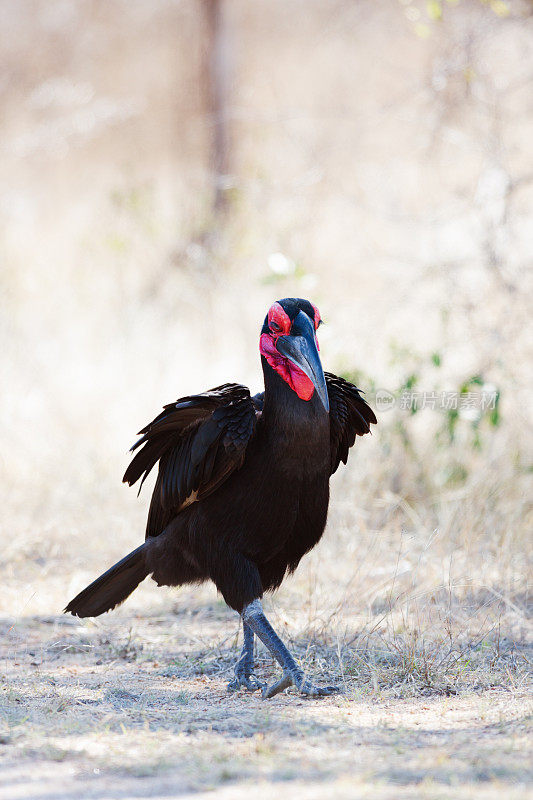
x=242 y=490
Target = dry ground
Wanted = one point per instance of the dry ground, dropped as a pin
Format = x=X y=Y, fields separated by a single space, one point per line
x=136 y=706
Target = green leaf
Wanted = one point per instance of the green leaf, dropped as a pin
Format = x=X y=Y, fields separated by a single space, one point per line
x=410 y=381
x=494 y=417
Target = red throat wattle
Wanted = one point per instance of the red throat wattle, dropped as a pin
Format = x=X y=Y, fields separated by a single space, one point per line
x=291 y=374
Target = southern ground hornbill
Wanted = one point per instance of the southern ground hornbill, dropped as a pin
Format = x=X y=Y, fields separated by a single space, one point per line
x=242 y=490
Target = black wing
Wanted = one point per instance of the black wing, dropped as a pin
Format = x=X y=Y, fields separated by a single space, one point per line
x=198 y=441
x=349 y=416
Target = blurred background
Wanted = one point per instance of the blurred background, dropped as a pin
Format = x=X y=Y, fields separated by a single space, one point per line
x=170 y=168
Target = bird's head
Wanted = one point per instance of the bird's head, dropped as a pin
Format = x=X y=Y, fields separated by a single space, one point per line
x=289 y=345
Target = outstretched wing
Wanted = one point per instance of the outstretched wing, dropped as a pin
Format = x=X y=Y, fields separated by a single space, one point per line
x=349 y=416
x=198 y=441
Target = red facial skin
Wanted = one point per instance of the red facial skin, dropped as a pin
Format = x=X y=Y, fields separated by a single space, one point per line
x=291 y=374
x=318 y=320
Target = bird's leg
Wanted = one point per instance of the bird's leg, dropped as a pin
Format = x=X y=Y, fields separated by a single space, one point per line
x=243 y=669
x=254 y=617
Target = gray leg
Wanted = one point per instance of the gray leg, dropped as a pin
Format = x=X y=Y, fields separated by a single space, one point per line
x=243 y=669
x=254 y=617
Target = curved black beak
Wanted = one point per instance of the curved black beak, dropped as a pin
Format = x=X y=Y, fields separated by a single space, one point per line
x=300 y=348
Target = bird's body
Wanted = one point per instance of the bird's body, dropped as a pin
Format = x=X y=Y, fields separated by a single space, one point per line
x=242 y=490
x=266 y=515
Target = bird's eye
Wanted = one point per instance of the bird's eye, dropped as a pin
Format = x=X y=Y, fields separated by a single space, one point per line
x=275 y=327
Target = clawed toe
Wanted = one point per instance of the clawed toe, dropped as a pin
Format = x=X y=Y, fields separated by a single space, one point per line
x=318 y=691
x=248 y=682
x=253 y=684
x=279 y=686
x=305 y=688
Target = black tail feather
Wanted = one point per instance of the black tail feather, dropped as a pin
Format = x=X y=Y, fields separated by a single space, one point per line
x=111 y=588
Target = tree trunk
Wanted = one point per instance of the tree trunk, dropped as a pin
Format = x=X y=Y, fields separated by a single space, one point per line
x=217 y=82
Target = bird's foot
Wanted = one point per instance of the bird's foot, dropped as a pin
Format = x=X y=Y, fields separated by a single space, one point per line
x=248 y=682
x=304 y=686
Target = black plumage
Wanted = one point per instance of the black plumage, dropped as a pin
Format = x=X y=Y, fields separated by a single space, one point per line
x=242 y=489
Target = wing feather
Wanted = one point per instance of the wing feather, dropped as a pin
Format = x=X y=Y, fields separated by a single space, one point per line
x=350 y=416
x=197 y=442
